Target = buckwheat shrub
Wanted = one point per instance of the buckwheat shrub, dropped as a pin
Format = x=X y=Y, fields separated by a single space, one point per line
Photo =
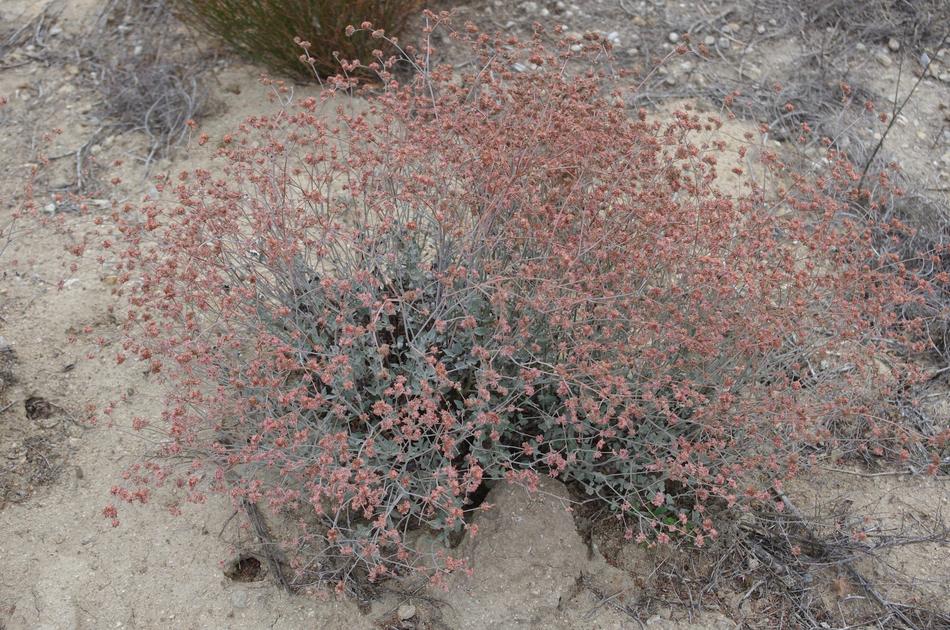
x=497 y=273
x=265 y=30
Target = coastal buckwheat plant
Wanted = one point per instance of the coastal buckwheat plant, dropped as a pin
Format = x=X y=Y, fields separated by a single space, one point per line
x=266 y=30
x=489 y=275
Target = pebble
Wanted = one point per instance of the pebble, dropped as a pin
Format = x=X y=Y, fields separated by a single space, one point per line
x=883 y=58
x=751 y=72
x=861 y=47
x=529 y=7
x=709 y=40
x=674 y=37
x=406 y=611
x=893 y=44
x=945 y=77
x=731 y=27
x=724 y=43
x=576 y=48
x=760 y=29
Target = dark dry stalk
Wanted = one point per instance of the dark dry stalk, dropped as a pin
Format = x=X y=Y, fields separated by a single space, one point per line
x=898 y=109
x=269 y=548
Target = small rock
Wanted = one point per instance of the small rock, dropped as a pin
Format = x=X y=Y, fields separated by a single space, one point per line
x=406 y=611
x=893 y=44
x=709 y=40
x=883 y=58
x=945 y=77
x=724 y=43
x=638 y=21
x=861 y=47
x=731 y=27
x=55 y=31
x=530 y=556
x=751 y=72
x=576 y=48
x=760 y=29
x=674 y=37
x=529 y=7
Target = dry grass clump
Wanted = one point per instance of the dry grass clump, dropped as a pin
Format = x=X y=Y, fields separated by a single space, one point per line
x=147 y=81
x=913 y=23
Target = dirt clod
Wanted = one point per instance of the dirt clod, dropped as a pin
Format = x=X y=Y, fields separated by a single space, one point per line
x=38 y=408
